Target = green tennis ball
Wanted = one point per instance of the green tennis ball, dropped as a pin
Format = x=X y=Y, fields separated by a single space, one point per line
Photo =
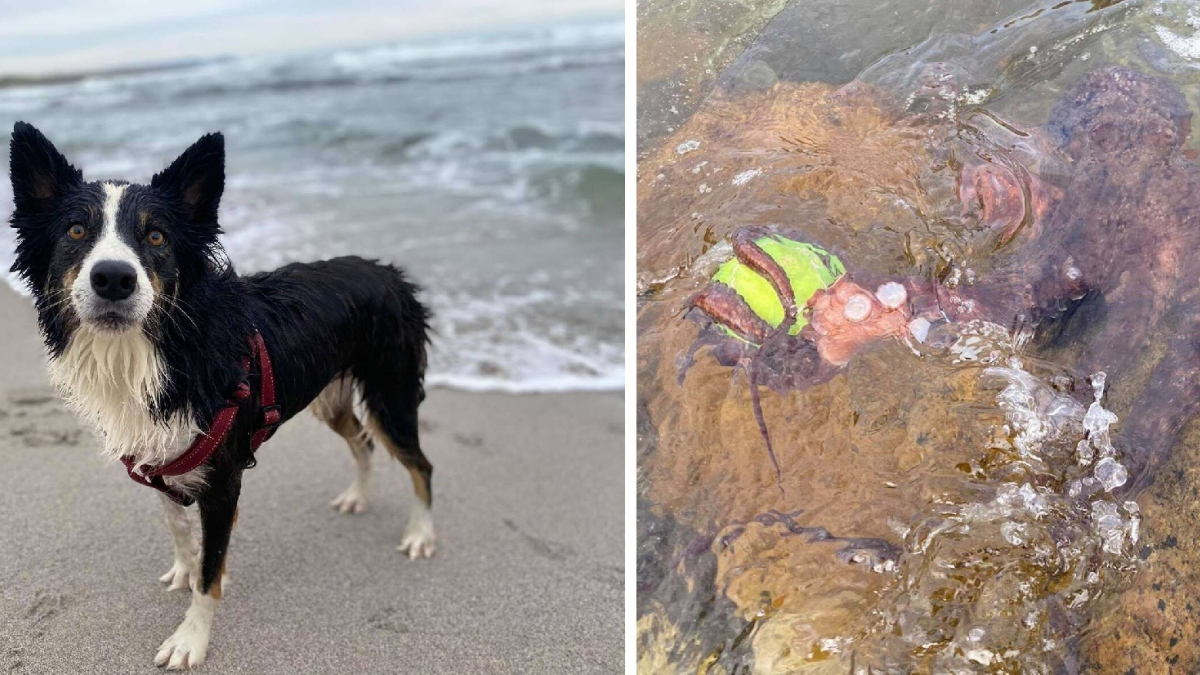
x=809 y=268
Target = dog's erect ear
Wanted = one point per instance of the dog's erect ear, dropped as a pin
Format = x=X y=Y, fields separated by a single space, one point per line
x=197 y=179
x=38 y=170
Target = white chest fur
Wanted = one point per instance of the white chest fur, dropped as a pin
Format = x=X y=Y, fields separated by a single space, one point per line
x=110 y=381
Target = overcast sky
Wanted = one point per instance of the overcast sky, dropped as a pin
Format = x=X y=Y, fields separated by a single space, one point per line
x=79 y=35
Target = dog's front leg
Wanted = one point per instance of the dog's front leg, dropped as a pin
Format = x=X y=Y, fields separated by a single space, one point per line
x=188 y=645
x=185 y=570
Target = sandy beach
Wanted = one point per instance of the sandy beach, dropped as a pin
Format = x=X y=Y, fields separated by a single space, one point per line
x=528 y=576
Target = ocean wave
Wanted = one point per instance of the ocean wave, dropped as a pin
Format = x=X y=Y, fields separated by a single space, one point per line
x=614 y=381
x=531 y=340
x=525 y=137
x=547 y=50
x=579 y=169
x=318 y=76
x=523 y=144
x=597 y=36
x=597 y=188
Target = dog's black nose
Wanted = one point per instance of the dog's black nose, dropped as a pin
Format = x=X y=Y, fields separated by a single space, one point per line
x=113 y=279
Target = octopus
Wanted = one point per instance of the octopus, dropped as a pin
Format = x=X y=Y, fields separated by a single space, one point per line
x=1115 y=263
x=794 y=349
x=1121 y=244
x=1123 y=239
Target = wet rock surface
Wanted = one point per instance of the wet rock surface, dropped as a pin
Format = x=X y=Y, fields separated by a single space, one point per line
x=1150 y=626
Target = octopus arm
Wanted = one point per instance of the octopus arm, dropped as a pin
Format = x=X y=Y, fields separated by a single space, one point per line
x=724 y=306
x=751 y=255
x=1173 y=397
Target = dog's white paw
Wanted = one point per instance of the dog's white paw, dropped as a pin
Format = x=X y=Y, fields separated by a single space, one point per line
x=419 y=540
x=186 y=648
x=182 y=575
x=418 y=545
x=352 y=501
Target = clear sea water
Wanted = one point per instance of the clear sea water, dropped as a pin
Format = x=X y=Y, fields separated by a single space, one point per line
x=490 y=167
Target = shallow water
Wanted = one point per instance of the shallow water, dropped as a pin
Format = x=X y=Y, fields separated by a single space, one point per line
x=1007 y=493
x=491 y=167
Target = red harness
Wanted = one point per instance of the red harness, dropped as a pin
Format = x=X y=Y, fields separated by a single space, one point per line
x=205 y=444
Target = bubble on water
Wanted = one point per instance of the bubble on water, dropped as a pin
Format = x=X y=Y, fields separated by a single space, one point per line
x=1109 y=525
x=1011 y=500
x=1075 y=489
x=1135 y=520
x=1063 y=530
x=1037 y=412
x=1077 y=598
x=1110 y=473
x=687 y=146
x=1098 y=420
x=1187 y=47
x=981 y=656
x=833 y=645
x=1034 y=501
x=1084 y=452
x=745 y=176
x=982 y=341
x=1013 y=533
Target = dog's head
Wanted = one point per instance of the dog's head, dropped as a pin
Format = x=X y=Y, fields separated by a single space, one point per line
x=110 y=255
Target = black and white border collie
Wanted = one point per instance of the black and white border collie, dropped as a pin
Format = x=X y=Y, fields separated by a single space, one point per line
x=148 y=329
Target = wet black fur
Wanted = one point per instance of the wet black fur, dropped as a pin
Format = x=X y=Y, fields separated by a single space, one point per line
x=346 y=315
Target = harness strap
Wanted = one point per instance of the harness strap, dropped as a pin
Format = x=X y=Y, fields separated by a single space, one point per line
x=205 y=444
x=269 y=413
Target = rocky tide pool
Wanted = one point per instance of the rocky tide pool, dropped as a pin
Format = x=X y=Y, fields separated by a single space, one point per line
x=916 y=356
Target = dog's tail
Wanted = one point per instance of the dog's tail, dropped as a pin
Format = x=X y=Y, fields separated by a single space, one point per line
x=411 y=333
x=391 y=382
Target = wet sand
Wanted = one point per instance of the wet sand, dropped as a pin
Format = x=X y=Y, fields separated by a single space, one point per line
x=528 y=576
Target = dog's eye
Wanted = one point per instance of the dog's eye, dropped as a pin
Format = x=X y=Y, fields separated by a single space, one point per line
x=77 y=231
x=156 y=238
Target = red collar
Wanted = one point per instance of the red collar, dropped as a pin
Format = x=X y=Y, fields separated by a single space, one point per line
x=205 y=444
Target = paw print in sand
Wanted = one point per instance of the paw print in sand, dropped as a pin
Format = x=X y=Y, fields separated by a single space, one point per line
x=37 y=418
